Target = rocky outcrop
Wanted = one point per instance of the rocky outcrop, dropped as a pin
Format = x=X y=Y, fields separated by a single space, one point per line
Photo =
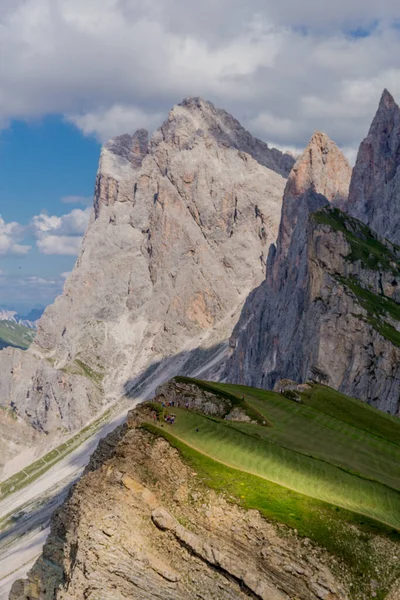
x=177 y=239
x=329 y=308
x=322 y=174
x=375 y=187
x=38 y=404
x=178 y=392
x=141 y=524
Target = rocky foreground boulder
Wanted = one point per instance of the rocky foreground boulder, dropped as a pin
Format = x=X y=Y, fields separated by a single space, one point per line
x=178 y=237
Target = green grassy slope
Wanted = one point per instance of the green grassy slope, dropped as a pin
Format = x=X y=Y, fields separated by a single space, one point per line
x=328 y=466
x=304 y=474
x=17 y=336
x=364 y=243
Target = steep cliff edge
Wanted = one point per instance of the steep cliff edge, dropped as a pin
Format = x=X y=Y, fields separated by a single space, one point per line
x=142 y=526
x=329 y=307
x=339 y=323
x=375 y=187
x=178 y=237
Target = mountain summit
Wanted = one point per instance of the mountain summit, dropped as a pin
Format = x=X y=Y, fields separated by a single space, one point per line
x=177 y=239
x=328 y=309
x=320 y=175
x=273 y=318
x=375 y=188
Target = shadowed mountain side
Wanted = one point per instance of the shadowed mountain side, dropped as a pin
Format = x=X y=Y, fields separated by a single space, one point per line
x=374 y=196
x=328 y=308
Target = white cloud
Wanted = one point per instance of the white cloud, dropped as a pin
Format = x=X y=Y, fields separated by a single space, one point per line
x=105 y=123
x=73 y=223
x=60 y=235
x=33 y=280
x=10 y=235
x=283 y=68
x=84 y=200
x=65 y=274
x=59 y=244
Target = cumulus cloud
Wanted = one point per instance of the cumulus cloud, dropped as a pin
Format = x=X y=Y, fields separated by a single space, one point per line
x=60 y=235
x=283 y=68
x=105 y=123
x=59 y=244
x=10 y=236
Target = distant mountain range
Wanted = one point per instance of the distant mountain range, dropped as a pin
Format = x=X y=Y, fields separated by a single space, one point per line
x=29 y=320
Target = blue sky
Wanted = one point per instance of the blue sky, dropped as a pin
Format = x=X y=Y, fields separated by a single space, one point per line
x=78 y=72
x=47 y=167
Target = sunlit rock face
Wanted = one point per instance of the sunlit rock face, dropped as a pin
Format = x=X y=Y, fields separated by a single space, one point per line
x=178 y=237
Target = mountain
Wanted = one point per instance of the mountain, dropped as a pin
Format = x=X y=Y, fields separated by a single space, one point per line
x=30 y=320
x=375 y=187
x=14 y=334
x=33 y=316
x=329 y=307
x=177 y=239
x=248 y=494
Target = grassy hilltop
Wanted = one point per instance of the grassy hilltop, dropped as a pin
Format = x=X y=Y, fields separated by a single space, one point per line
x=328 y=466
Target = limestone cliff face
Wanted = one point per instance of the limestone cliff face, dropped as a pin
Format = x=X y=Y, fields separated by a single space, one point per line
x=177 y=240
x=328 y=309
x=178 y=237
x=375 y=188
x=141 y=525
x=267 y=338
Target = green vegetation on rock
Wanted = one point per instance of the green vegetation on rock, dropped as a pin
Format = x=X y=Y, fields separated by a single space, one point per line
x=365 y=245
x=378 y=307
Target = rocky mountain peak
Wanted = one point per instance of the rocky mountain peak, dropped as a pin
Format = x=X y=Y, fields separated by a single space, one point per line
x=321 y=175
x=387 y=100
x=386 y=117
x=194 y=119
x=374 y=196
x=323 y=168
x=178 y=238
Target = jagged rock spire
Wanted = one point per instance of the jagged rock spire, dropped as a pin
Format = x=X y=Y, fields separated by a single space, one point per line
x=375 y=187
x=320 y=175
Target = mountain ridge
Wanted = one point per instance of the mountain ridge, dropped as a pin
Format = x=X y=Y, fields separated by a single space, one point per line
x=317 y=314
